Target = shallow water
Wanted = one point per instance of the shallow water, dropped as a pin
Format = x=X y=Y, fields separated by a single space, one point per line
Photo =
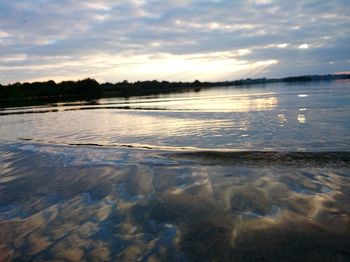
x=225 y=174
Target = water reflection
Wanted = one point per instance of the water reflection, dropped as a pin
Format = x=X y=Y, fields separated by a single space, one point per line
x=110 y=125
x=282 y=118
x=227 y=103
x=276 y=117
x=72 y=203
x=301 y=119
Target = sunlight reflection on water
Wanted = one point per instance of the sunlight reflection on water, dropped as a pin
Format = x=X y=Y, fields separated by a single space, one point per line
x=278 y=117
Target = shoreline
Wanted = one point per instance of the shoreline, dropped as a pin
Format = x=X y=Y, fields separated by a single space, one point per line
x=23 y=94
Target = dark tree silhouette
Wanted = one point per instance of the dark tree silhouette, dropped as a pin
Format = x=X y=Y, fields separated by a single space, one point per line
x=89 y=88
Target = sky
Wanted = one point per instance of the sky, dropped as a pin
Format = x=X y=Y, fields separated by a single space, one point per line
x=179 y=40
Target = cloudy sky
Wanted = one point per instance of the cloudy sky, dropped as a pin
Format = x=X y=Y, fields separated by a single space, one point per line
x=171 y=40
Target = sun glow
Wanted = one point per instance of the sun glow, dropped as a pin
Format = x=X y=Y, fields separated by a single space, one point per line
x=209 y=67
x=214 y=66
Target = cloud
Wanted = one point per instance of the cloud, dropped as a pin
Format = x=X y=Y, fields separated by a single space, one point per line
x=303 y=46
x=116 y=40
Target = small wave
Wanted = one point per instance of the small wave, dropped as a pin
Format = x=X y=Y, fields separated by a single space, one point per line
x=269 y=157
x=50 y=110
x=114 y=145
x=225 y=156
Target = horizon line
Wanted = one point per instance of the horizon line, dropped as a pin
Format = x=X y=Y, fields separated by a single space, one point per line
x=196 y=80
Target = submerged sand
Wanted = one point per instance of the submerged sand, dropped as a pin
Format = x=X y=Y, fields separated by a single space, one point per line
x=99 y=204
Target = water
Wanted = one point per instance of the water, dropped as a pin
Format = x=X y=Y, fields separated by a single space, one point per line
x=258 y=173
x=276 y=117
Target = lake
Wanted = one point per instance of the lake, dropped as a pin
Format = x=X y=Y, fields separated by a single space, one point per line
x=230 y=173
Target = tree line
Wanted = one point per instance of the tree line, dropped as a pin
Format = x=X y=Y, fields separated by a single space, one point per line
x=90 y=88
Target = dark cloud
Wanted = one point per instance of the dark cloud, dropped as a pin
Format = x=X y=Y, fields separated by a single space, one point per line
x=61 y=39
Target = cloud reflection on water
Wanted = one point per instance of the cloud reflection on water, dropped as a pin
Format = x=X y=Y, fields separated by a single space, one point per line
x=267 y=117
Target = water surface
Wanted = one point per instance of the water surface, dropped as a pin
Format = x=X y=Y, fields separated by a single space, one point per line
x=225 y=174
x=308 y=117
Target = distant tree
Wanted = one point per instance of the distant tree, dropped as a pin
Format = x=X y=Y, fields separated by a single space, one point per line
x=298 y=79
x=51 y=84
x=87 y=86
x=196 y=83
